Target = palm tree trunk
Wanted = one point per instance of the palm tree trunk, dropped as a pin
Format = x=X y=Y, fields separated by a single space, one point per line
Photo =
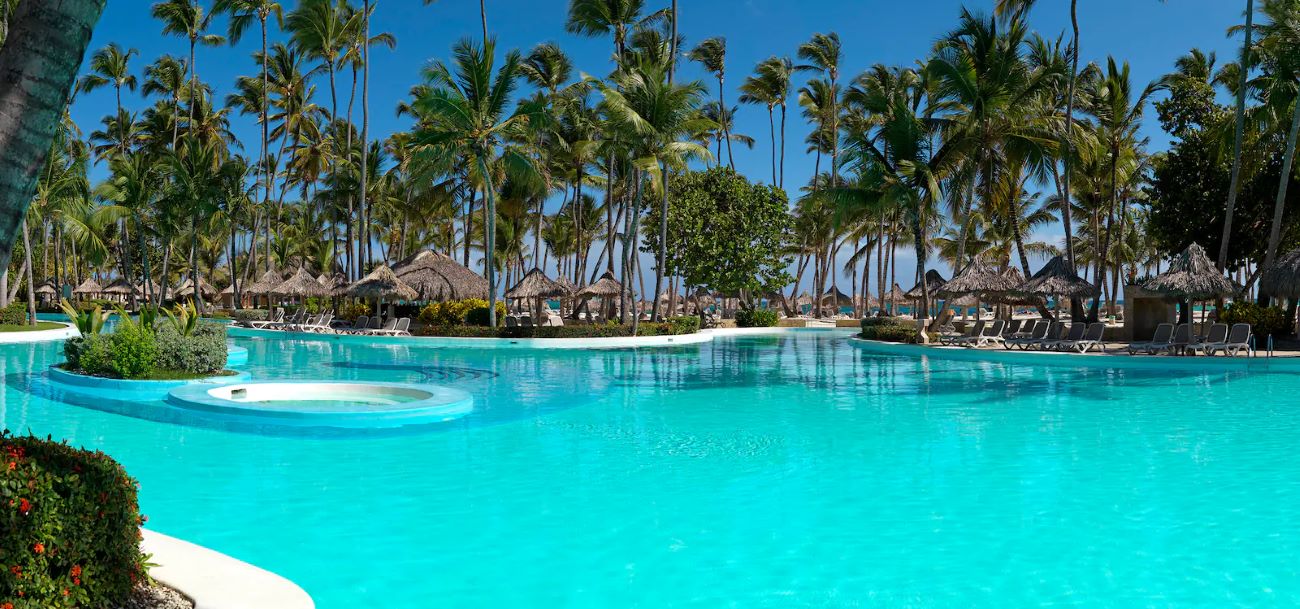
x=31 y=283
x=1235 y=183
x=771 y=125
x=365 y=129
x=469 y=221
x=489 y=227
x=663 y=244
x=267 y=171
x=1275 y=232
x=40 y=59
x=726 y=129
x=609 y=217
x=781 y=183
x=1110 y=224
x=482 y=14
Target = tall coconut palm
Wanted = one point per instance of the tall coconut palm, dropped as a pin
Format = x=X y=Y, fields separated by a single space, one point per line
x=187 y=19
x=465 y=111
x=613 y=18
x=166 y=77
x=712 y=54
x=823 y=54
x=770 y=86
x=1279 y=52
x=111 y=66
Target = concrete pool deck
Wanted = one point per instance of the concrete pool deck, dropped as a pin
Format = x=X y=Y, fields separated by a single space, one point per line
x=213 y=580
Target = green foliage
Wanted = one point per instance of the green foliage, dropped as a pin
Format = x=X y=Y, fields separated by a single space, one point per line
x=184 y=320
x=88 y=354
x=756 y=318
x=478 y=316
x=87 y=322
x=1188 y=196
x=351 y=311
x=315 y=305
x=725 y=233
x=451 y=312
x=133 y=351
x=889 y=329
x=244 y=315
x=1264 y=321
x=14 y=315
x=69 y=527
x=672 y=327
x=200 y=352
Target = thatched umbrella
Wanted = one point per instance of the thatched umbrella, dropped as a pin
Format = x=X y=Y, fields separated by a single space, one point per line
x=382 y=283
x=301 y=285
x=536 y=286
x=933 y=280
x=836 y=298
x=987 y=283
x=1056 y=278
x=604 y=287
x=88 y=288
x=1192 y=277
x=187 y=288
x=336 y=283
x=1282 y=280
x=121 y=287
x=894 y=297
x=437 y=276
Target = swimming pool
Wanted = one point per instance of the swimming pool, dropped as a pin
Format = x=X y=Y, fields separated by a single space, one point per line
x=775 y=471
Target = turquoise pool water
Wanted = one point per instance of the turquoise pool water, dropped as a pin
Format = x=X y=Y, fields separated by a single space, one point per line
x=790 y=471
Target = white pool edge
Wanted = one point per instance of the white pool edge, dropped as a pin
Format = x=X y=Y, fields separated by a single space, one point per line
x=213 y=580
x=612 y=342
x=40 y=336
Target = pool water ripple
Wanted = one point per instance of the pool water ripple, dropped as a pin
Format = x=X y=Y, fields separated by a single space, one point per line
x=792 y=471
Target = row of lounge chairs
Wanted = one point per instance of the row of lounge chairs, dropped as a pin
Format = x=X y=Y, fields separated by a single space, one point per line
x=301 y=321
x=1178 y=339
x=1043 y=335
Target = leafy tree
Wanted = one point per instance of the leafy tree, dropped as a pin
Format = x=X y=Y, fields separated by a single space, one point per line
x=727 y=234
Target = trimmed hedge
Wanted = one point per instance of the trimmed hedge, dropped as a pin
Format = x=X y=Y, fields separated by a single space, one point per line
x=15 y=314
x=351 y=311
x=888 y=329
x=247 y=315
x=471 y=311
x=203 y=352
x=756 y=318
x=672 y=327
x=69 y=527
x=1264 y=321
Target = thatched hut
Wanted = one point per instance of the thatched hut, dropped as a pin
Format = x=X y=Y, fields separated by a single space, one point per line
x=186 y=288
x=604 y=287
x=336 y=283
x=88 y=289
x=382 y=283
x=301 y=285
x=46 y=292
x=536 y=286
x=1191 y=277
x=1056 y=278
x=1282 y=280
x=120 y=290
x=933 y=282
x=989 y=284
x=836 y=298
x=436 y=276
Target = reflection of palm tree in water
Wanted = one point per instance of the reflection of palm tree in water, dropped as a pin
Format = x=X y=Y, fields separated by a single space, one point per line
x=427 y=373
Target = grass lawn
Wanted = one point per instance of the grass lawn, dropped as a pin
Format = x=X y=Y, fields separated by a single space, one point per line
x=40 y=325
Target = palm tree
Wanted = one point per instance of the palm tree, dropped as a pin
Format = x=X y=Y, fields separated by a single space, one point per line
x=712 y=54
x=657 y=118
x=822 y=54
x=1238 y=134
x=111 y=66
x=187 y=19
x=1279 y=52
x=166 y=77
x=770 y=86
x=605 y=17
x=465 y=111
x=725 y=119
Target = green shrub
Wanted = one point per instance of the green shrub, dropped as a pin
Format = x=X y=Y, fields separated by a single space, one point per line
x=69 y=527
x=756 y=318
x=685 y=324
x=134 y=351
x=15 y=314
x=247 y=315
x=202 y=352
x=451 y=312
x=672 y=327
x=478 y=315
x=1264 y=321
x=351 y=311
x=890 y=333
x=89 y=354
x=868 y=322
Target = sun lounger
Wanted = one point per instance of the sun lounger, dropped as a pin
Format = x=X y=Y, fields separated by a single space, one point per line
x=972 y=332
x=400 y=327
x=1075 y=333
x=1162 y=335
x=275 y=319
x=990 y=333
x=1091 y=339
x=1218 y=335
x=1238 y=340
x=1054 y=331
x=1035 y=334
x=387 y=328
x=1181 y=338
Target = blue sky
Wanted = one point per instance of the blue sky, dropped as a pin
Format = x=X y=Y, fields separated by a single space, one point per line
x=1149 y=34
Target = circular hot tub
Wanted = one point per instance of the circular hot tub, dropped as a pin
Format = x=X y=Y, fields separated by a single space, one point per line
x=325 y=404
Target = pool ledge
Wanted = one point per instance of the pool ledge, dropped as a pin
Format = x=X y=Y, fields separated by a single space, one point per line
x=1090 y=360
x=612 y=342
x=39 y=336
x=213 y=580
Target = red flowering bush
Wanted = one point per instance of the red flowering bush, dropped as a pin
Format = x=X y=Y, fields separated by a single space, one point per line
x=69 y=527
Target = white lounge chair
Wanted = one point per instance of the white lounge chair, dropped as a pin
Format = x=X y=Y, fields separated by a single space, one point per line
x=991 y=332
x=1035 y=334
x=1238 y=340
x=1162 y=335
x=1053 y=336
x=972 y=332
x=274 y=319
x=1218 y=335
x=400 y=327
x=387 y=328
x=1180 y=339
x=1075 y=333
x=1092 y=338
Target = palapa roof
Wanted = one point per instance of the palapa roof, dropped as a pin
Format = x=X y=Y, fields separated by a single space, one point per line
x=382 y=283
x=336 y=283
x=267 y=282
x=536 y=284
x=837 y=297
x=186 y=288
x=1191 y=275
x=1057 y=279
x=46 y=288
x=1283 y=278
x=933 y=280
x=567 y=283
x=437 y=276
x=896 y=294
x=605 y=286
x=302 y=284
x=120 y=286
x=987 y=283
x=89 y=286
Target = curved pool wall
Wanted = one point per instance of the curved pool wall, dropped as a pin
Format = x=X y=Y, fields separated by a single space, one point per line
x=452 y=342
x=236 y=356
x=1087 y=360
x=311 y=404
x=36 y=336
